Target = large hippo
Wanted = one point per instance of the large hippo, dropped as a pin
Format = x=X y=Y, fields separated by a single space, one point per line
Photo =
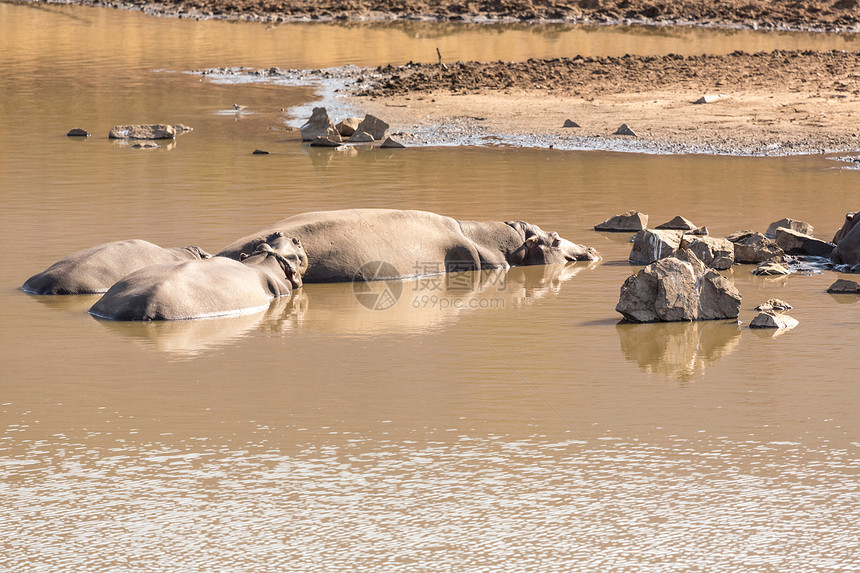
x=340 y=243
x=847 y=239
x=207 y=288
x=94 y=270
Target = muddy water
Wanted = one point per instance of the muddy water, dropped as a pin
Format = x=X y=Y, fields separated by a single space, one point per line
x=481 y=423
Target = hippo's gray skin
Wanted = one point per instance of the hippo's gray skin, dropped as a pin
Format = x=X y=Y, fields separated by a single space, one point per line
x=94 y=270
x=847 y=239
x=339 y=243
x=213 y=287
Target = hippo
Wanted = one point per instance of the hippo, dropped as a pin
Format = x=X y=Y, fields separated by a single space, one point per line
x=847 y=239
x=94 y=270
x=340 y=245
x=207 y=288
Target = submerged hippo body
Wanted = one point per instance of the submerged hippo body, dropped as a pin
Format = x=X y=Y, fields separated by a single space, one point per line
x=847 y=239
x=94 y=270
x=339 y=243
x=207 y=288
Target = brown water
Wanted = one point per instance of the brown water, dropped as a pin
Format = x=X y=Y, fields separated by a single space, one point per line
x=505 y=423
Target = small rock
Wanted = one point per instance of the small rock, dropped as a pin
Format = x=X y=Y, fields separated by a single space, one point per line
x=624 y=223
x=182 y=128
x=774 y=305
x=753 y=247
x=843 y=286
x=360 y=137
x=319 y=125
x=795 y=243
x=651 y=245
x=709 y=98
x=773 y=320
x=391 y=144
x=348 y=126
x=770 y=268
x=326 y=141
x=715 y=253
x=799 y=226
x=78 y=132
x=260 y=152
x=679 y=223
x=377 y=128
x=570 y=123
x=154 y=131
x=624 y=130
x=701 y=231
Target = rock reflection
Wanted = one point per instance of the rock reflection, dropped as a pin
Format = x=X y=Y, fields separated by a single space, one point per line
x=678 y=349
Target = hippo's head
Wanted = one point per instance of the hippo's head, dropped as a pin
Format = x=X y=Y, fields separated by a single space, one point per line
x=542 y=248
x=851 y=219
x=289 y=253
x=197 y=252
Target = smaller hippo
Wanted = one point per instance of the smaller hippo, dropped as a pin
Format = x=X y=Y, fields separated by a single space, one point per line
x=94 y=270
x=847 y=239
x=207 y=288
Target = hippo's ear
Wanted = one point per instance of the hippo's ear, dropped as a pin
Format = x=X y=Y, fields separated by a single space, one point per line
x=532 y=241
x=243 y=256
x=555 y=239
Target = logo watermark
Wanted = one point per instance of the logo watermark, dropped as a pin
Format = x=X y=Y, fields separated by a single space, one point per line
x=374 y=287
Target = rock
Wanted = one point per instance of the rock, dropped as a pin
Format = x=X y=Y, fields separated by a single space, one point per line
x=774 y=305
x=843 y=286
x=319 y=125
x=709 y=98
x=391 y=144
x=326 y=141
x=770 y=319
x=753 y=247
x=570 y=123
x=182 y=128
x=154 y=131
x=374 y=126
x=799 y=226
x=673 y=289
x=624 y=223
x=78 y=132
x=771 y=268
x=701 y=231
x=795 y=243
x=260 y=152
x=348 y=126
x=624 y=130
x=651 y=245
x=679 y=223
x=715 y=253
x=360 y=137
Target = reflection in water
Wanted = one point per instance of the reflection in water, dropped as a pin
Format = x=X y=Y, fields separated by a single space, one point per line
x=678 y=349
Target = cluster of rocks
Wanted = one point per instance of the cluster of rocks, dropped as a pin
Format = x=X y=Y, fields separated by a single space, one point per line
x=321 y=131
x=138 y=132
x=624 y=129
x=772 y=315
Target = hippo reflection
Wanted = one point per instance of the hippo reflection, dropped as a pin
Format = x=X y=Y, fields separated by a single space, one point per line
x=207 y=288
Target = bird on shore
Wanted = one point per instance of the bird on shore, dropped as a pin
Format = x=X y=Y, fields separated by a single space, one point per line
x=238 y=107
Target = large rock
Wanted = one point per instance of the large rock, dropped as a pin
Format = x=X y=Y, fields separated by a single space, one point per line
x=771 y=268
x=799 y=226
x=843 y=286
x=753 y=247
x=371 y=124
x=631 y=221
x=673 y=289
x=319 y=125
x=348 y=126
x=679 y=223
x=715 y=253
x=154 y=131
x=360 y=137
x=797 y=243
x=650 y=245
x=769 y=319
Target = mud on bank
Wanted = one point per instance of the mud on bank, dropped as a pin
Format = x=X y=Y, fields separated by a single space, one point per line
x=832 y=15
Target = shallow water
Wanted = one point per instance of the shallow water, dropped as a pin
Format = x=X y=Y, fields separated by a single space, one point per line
x=481 y=423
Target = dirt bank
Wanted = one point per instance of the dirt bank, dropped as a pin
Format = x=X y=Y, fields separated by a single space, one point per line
x=768 y=14
x=775 y=103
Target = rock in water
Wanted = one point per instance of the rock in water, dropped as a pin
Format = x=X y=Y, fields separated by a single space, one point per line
x=799 y=226
x=679 y=223
x=753 y=247
x=650 y=245
x=770 y=319
x=774 y=305
x=326 y=141
x=630 y=221
x=391 y=144
x=797 y=243
x=319 y=125
x=771 y=268
x=260 y=152
x=154 y=131
x=377 y=128
x=843 y=286
x=624 y=130
x=78 y=132
x=674 y=289
x=348 y=126
x=570 y=123
x=715 y=253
